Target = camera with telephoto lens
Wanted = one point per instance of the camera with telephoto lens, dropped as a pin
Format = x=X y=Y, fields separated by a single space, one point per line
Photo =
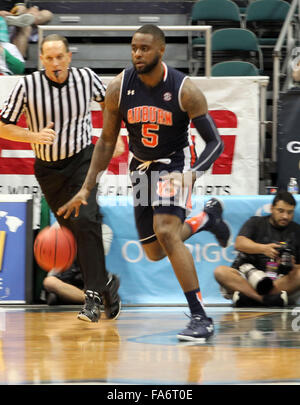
x=250 y=265
x=285 y=252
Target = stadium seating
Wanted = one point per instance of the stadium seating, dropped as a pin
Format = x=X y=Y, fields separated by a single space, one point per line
x=265 y=18
x=234 y=68
x=108 y=52
x=236 y=44
x=217 y=13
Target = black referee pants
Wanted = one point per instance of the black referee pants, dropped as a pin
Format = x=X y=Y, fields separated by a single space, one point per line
x=59 y=182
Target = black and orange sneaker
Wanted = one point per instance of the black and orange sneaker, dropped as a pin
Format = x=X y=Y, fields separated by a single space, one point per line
x=216 y=225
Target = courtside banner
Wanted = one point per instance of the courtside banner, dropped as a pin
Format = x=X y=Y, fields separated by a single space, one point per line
x=146 y=282
x=15 y=249
x=288 y=141
x=233 y=104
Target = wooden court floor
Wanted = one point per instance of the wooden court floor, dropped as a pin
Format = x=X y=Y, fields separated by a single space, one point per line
x=43 y=345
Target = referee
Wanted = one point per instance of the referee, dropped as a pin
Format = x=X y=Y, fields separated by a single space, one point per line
x=56 y=101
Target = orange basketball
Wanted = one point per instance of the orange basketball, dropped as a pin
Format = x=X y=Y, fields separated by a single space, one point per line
x=55 y=248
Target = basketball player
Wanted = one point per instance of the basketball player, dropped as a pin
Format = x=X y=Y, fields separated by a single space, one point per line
x=157 y=103
x=56 y=101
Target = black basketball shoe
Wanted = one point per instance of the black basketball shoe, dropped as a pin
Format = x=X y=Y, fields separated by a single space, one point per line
x=199 y=329
x=91 y=309
x=110 y=297
x=215 y=224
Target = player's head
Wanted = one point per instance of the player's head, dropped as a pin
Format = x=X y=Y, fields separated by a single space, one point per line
x=282 y=209
x=56 y=57
x=147 y=48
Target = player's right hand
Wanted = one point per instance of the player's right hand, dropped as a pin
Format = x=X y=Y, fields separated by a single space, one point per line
x=46 y=136
x=73 y=205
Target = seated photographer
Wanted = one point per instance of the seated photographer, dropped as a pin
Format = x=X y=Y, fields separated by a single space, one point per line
x=266 y=271
x=64 y=288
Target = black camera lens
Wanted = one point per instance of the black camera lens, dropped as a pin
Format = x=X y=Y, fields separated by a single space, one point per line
x=286 y=258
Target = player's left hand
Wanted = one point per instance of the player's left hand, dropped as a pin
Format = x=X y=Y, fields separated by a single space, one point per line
x=74 y=204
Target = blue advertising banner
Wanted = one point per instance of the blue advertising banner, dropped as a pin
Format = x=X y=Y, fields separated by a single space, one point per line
x=288 y=143
x=15 y=248
x=147 y=282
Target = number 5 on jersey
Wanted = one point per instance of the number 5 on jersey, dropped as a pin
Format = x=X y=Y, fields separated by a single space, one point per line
x=150 y=139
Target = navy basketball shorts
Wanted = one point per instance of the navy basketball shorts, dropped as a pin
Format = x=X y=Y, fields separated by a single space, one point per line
x=154 y=195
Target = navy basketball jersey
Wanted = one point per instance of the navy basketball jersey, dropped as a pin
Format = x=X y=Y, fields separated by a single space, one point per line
x=155 y=121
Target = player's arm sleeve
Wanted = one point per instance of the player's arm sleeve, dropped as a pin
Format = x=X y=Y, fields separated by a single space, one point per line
x=13 y=106
x=214 y=145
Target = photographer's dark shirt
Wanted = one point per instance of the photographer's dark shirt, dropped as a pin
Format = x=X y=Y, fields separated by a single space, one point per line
x=260 y=230
x=7 y=5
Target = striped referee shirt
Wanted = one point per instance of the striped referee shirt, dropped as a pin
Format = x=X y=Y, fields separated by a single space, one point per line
x=66 y=104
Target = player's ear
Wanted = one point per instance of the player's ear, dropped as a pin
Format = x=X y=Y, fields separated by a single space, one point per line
x=162 y=49
x=41 y=57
